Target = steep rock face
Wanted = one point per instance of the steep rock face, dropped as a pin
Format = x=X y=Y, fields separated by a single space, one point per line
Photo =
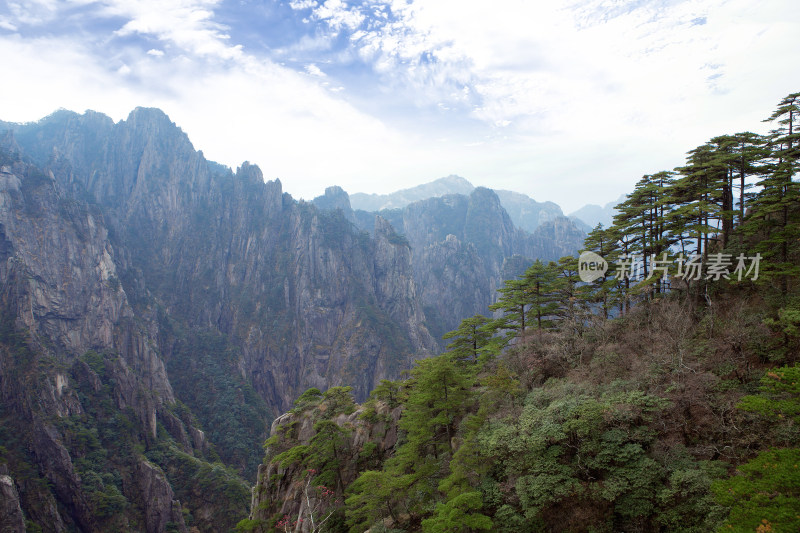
x=56 y=465
x=527 y=213
x=555 y=238
x=353 y=313
x=489 y=227
x=160 y=506
x=394 y=282
x=81 y=137
x=80 y=369
x=335 y=198
x=11 y=517
x=457 y=266
x=60 y=283
x=232 y=254
x=462 y=248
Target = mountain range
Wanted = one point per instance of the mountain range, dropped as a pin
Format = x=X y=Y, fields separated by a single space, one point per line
x=525 y=212
x=159 y=308
x=591 y=214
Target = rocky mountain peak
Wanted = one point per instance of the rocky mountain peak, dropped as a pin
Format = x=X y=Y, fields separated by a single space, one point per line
x=486 y=194
x=441 y=187
x=486 y=200
x=250 y=173
x=150 y=117
x=334 y=198
x=383 y=227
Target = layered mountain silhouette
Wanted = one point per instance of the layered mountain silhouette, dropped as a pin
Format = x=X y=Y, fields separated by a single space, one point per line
x=591 y=215
x=525 y=212
x=158 y=308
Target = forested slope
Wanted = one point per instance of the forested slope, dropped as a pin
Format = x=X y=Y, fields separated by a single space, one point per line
x=661 y=396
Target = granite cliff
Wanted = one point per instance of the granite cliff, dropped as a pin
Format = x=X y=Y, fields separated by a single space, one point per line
x=466 y=246
x=227 y=252
x=62 y=307
x=157 y=308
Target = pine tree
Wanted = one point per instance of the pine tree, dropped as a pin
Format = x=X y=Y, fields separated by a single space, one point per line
x=723 y=162
x=513 y=302
x=622 y=251
x=640 y=225
x=630 y=222
x=750 y=151
x=569 y=295
x=538 y=280
x=439 y=396
x=461 y=510
x=604 y=291
x=472 y=339
x=775 y=216
x=698 y=197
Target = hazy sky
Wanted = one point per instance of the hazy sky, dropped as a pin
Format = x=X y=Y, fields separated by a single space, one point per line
x=567 y=101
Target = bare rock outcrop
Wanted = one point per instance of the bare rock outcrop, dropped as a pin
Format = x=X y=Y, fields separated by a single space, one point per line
x=11 y=518
x=160 y=506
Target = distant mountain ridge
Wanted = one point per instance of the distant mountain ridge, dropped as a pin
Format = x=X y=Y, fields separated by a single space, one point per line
x=465 y=246
x=525 y=212
x=593 y=214
x=451 y=184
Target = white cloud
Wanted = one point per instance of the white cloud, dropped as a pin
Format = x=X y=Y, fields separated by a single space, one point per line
x=302 y=4
x=534 y=61
x=246 y=110
x=314 y=70
x=187 y=24
x=32 y=12
x=339 y=15
x=547 y=99
x=54 y=73
x=596 y=94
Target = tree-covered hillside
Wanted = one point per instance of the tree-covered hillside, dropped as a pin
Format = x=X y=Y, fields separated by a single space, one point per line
x=661 y=396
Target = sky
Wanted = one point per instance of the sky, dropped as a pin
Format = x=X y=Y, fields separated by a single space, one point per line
x=568 y=101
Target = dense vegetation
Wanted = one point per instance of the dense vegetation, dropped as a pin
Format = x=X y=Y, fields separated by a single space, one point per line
x=107 y=445
x=665 y=399
x=203 y=374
